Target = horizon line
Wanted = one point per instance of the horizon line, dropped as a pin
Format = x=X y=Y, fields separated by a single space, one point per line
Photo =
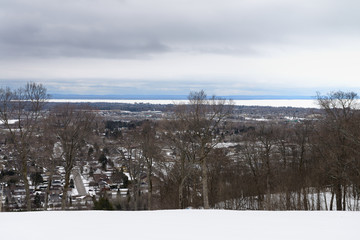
x=176 y=97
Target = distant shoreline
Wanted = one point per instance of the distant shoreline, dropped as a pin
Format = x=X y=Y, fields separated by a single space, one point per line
x=173 y=97
x=296 y=103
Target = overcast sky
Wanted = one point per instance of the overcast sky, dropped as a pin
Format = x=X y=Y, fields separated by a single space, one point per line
x=226 y=47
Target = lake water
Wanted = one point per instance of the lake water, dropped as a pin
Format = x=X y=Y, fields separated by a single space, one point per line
x=304 y=103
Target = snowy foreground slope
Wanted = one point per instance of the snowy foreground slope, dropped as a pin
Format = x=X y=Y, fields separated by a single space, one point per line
x=180 y=224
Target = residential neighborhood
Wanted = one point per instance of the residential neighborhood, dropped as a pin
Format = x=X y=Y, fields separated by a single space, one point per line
x=102 y=171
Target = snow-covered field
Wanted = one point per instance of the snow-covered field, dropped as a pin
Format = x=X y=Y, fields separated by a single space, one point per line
x=179 y=224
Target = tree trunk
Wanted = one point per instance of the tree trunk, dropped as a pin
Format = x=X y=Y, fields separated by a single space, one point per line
x=149 y=182
x=260 y=198
x=298 y=206
x=26 y=184
x=181 y=194
x=138 y=192
x=325 y=201
x=182 y=181
x=204 y=181
x=268 y=193
x=134 y=201
x=305 y=199
x=66 y=187
x=287 y=199
x=318 y=203
x=268 y=184
x=47 y=192
x=344 y=199
x=332 y=200
x=338 y=194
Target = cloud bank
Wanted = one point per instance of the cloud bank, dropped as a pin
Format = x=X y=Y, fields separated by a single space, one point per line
x=224 y=46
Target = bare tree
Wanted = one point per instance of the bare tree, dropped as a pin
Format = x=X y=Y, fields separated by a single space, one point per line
x=176 y=139
x=202 y=117
x=301 y=152
x=20 y=112
x=149 y=145
x=71 y=127
x=266 y=140
x=50 y=154
x=135 y=163
x=250 y=155
x=336 y=146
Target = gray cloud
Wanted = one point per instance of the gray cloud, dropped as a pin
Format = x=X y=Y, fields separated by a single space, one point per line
x=128 y=29
x=172 y=47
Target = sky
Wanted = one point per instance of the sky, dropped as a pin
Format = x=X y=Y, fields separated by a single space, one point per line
x=162 y=47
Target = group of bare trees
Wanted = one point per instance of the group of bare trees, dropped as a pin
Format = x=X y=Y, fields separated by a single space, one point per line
x=191 y=158
x=306 y=165
x=42 y=138
x=192 y=135
x=23 y=106
x=338 y=143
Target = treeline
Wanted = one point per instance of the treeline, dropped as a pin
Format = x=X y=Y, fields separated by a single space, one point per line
x=131 y=107
x=200 y=156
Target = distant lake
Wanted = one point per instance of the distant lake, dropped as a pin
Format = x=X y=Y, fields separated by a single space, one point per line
x=303 y=103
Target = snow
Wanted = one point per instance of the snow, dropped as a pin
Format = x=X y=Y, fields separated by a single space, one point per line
x=179 y=224
x=258 y=119
x=73 y=192
x=128 y=176
x=10 y=121
x=226 y=144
